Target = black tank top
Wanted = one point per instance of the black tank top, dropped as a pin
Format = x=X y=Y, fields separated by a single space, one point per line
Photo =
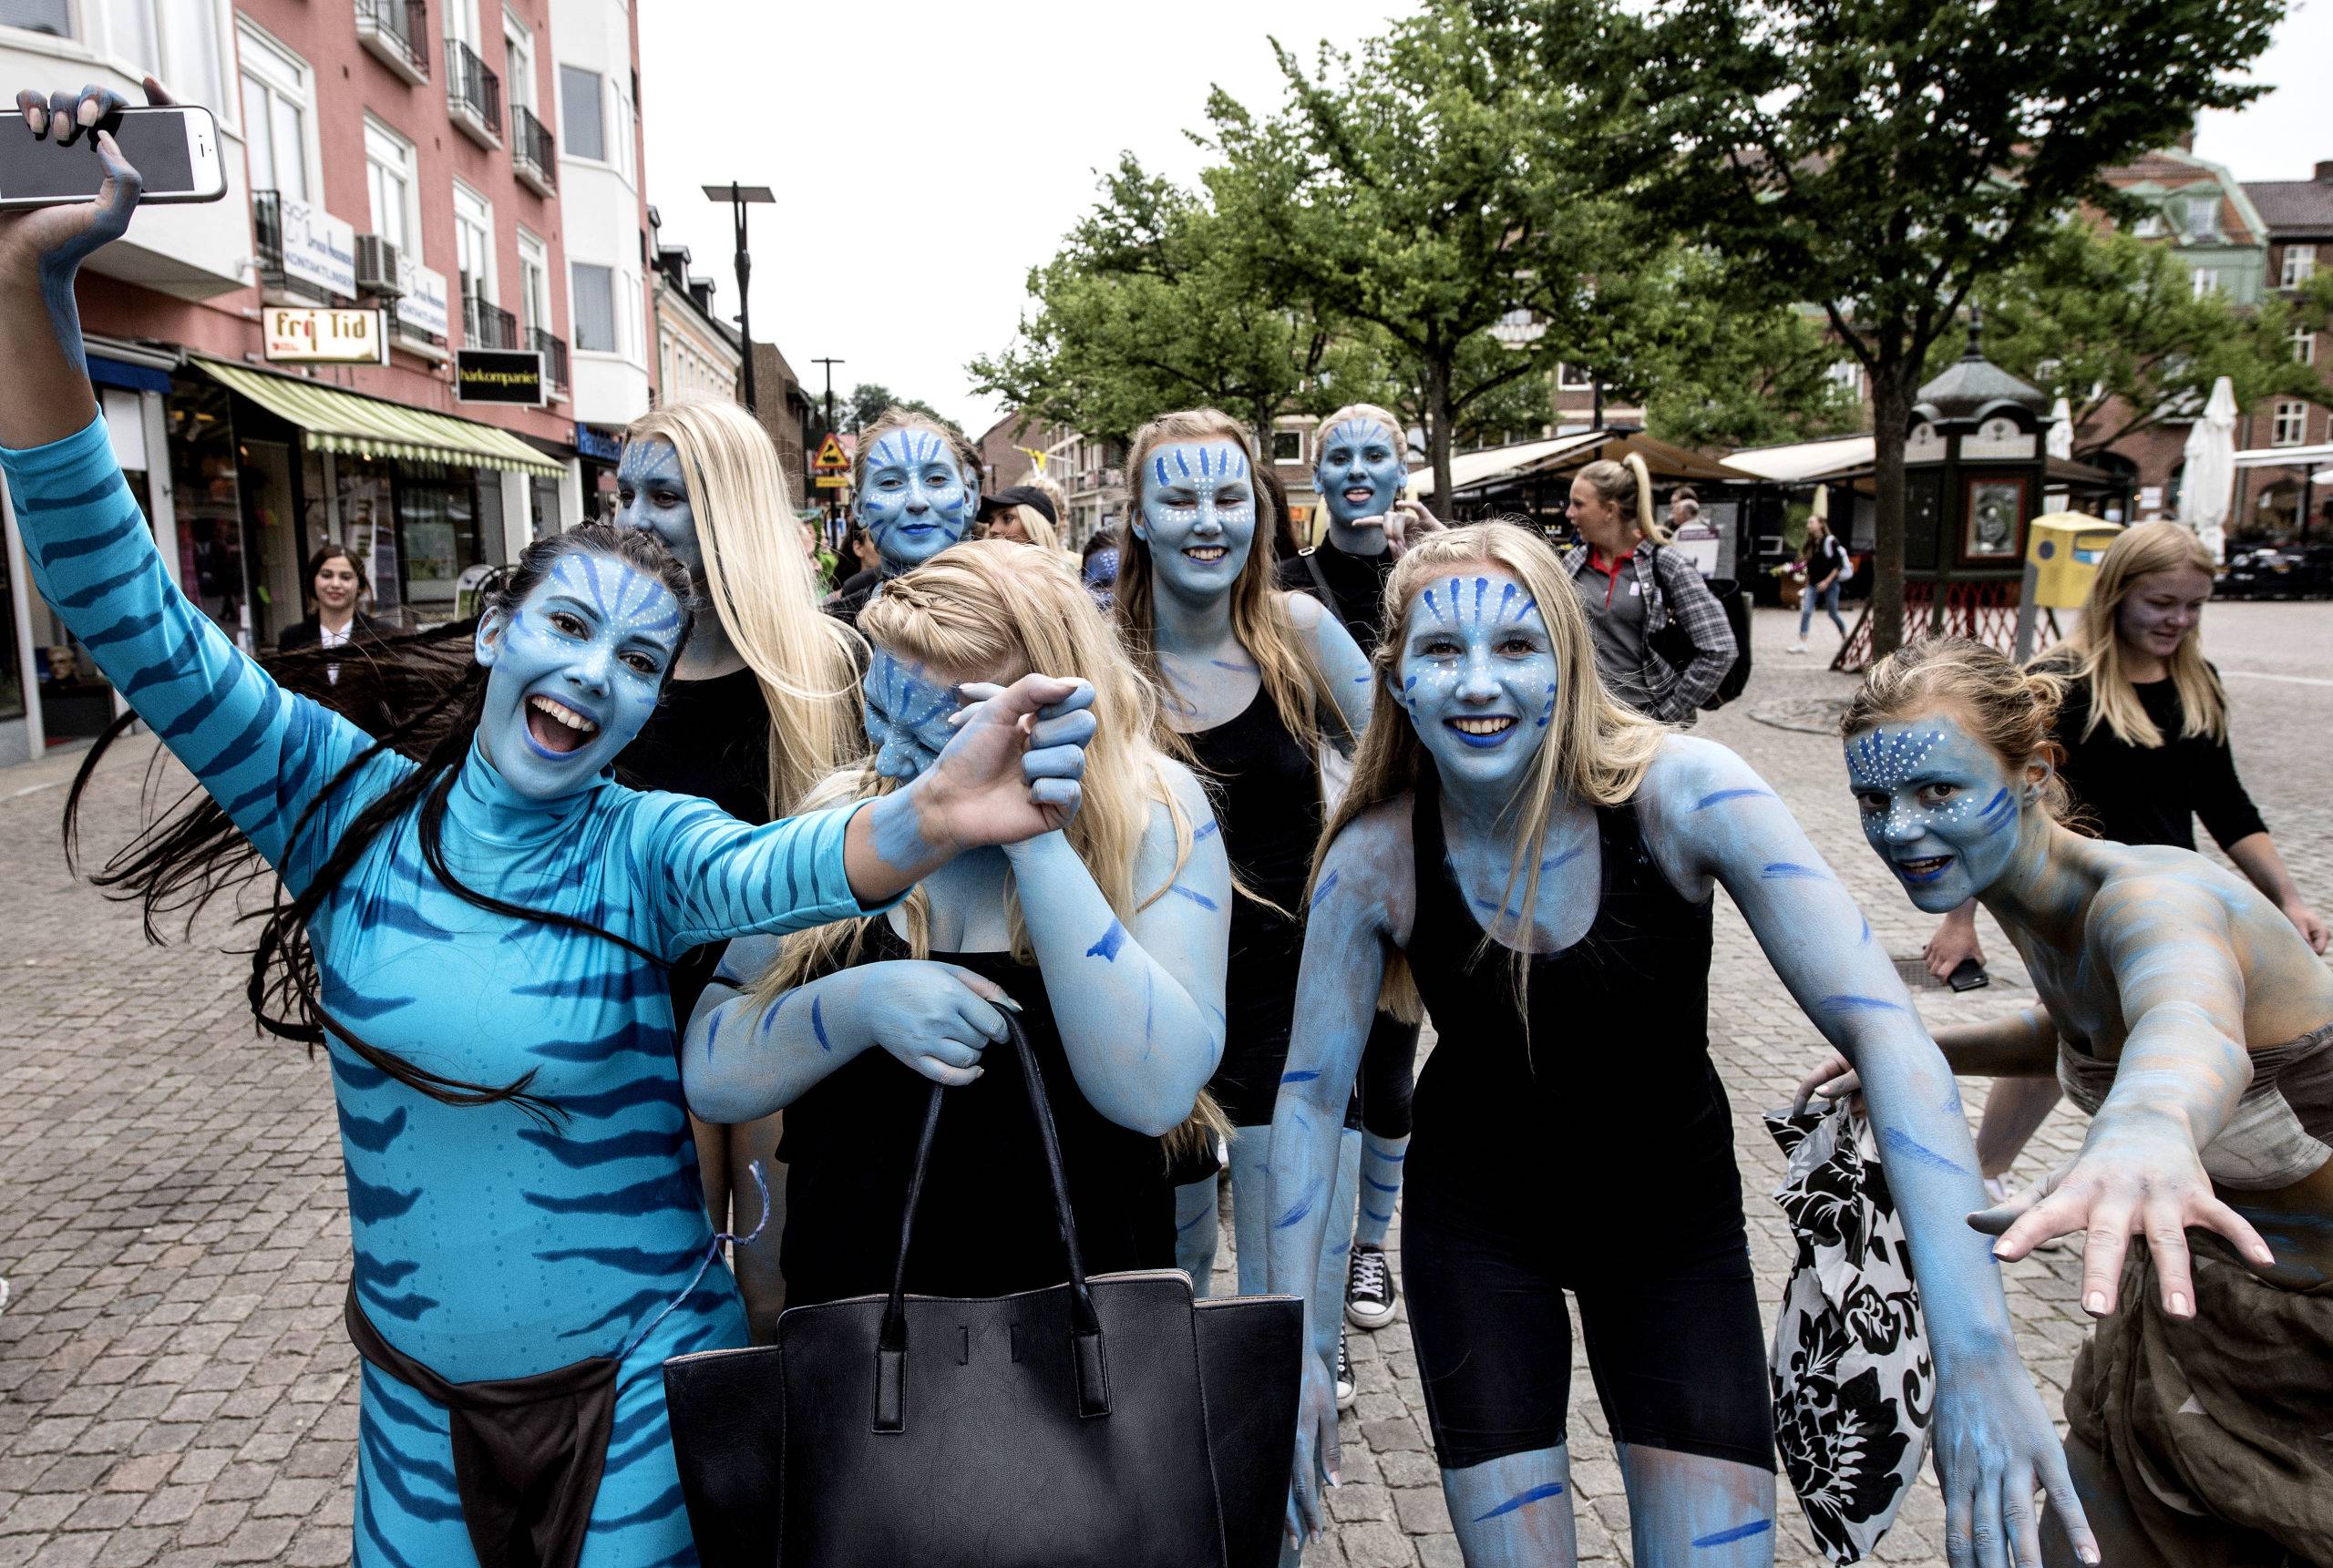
x=987 y=1224
x=1608 y=1125
x=1267 y=796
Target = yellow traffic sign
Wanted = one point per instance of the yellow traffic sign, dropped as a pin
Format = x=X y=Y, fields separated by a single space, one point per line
x=831 y=457
x=832 y=481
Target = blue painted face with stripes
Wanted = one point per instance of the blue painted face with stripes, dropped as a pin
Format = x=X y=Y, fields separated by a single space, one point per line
x=1360 y=472
x=1198 y=516
x=915 y=501
x=1938 y=805
x=1477 y=676
x=574 y=672
x=907 y=710
x=652 y=497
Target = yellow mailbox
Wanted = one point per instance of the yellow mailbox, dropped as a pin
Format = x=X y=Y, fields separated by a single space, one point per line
x=2062 y=554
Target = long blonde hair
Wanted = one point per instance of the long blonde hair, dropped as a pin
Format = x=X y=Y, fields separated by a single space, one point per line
x=1292 y=677
x=993 y=609
x=2098 y=644
x=1595 y=749
x=1627 y=485
x=2010 y=711
x=761 y=587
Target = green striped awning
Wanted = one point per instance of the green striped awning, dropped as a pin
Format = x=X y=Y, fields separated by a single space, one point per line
x=338 y=421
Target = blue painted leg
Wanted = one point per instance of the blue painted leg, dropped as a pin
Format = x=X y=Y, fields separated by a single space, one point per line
x=1195 y=1227
x=1515 y=1512
x=1688 y=1509
x=1380 y=1187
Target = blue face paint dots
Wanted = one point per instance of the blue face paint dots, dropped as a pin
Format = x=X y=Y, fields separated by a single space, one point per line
x=906 y=712
x=573 y=671
x=1361 y=470
x=1938 y=805
x=1198 y=516
x=914 y=501
x=652 y=497
x=1477 y=676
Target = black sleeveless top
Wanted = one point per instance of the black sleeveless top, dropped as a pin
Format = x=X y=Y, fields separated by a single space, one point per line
x=1608 y=1125
x=1267 y=796
x=987 y=1224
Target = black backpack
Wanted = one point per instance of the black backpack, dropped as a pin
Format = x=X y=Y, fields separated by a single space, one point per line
x=1675 y=645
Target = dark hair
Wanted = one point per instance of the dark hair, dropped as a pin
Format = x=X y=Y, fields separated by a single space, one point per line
x=325 y=552
x=1284 y=541
x=178 y=865
x=1683 y=493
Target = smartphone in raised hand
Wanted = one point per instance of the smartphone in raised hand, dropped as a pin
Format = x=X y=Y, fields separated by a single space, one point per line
x=174 y=146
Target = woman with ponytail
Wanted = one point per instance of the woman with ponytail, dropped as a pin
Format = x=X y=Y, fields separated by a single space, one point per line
x=762 y=705
x=1632 y=588
x=476 y=936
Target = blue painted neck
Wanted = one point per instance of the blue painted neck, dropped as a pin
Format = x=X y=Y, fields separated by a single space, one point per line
x=484 y=805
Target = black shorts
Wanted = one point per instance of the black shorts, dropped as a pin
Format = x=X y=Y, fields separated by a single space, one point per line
x=1389 y=1076
x=1675 y=1347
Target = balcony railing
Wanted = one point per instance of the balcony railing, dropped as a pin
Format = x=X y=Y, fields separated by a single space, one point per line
x=554 y=353
x=473 y=93
x=487 y=327
x=533 y=157
x=397 y=32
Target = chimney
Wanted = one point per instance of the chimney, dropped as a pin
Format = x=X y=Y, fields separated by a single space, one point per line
x=2185 y=140
x=2324 y=171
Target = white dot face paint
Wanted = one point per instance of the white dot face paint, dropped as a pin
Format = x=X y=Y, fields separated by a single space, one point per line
x=1938 y=806
x=1360 y=470
x=906 y=710
x=1477 y=676
x=574 y=672
x=1198 y=516
x=914 y=501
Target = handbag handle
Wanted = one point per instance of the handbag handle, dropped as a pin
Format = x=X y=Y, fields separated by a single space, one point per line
x=1085 y=1323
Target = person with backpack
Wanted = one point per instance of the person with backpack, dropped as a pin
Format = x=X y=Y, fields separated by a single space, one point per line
x=1828 y=565
x=1638 y=596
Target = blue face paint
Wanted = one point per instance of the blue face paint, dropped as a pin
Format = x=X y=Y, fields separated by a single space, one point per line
x=1360 y=471
x=1938 y=805
x=906 y=712
x=914 y=501
x=650 y=498
x=1477 y=676
x=574 y=672
x=1198 y=516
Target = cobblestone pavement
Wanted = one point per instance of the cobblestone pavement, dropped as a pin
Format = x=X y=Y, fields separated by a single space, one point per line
x=175 y=1386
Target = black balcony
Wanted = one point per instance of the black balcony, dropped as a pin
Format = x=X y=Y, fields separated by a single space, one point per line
x=533 y=156
x=267 y=228
x=554 y=353
x=487 y=327
x=473 y=93
x=396 y=31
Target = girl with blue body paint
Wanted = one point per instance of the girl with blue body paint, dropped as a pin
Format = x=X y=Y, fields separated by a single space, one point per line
x=1537 y=863
x=2182 y=1008
x=1107 y=937
x=1246 y=675
x=915 y=491
x=477 y=938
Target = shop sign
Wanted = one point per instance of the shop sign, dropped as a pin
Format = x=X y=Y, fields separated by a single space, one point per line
x=832 y=481
x=597 y=445
x=422 y=305
x=319 y=250
x=303 y=335
x=498 y=375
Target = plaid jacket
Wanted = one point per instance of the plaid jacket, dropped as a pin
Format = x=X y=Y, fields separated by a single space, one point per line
x=1672 y=587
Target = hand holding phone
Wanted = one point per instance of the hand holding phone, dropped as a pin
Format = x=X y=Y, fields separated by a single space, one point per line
x=49 y=154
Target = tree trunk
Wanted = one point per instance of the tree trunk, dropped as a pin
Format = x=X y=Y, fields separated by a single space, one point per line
x=1891 y=418
x=1437 y=429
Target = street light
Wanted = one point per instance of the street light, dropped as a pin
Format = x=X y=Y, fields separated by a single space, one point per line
x=739 y=197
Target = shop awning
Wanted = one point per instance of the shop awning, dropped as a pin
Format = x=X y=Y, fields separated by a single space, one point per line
x=1806 y=461
x=338 y=421
x=1564 y=454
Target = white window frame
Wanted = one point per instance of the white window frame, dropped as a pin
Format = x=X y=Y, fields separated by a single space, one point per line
x=534 y=284
x=2300 y=266
x=2206 y=281
x=382 y=141
x=461 y=23
x=2288 y=426
x=162 y=48
x=2304 y=345
x=474 y=215
x=615 y=309
x=2203 y=210
x=1846 y=374
x=281 y=72
x=1569 y=378
x=623 y=126
x=519 y=42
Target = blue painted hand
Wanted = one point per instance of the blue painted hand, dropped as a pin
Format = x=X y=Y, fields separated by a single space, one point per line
x=936 y=1019
x=1938 y=805
x=1198 y=516
x=652 y=497
x=1477 y=673
x=1360 y=473
x=914 y=501
x=573 y=672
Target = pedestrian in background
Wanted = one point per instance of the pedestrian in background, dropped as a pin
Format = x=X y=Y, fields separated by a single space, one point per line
x=1633 y=589
x=1827 y=563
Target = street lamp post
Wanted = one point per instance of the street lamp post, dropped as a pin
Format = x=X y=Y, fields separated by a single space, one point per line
x=834 y=502
x=739 y=197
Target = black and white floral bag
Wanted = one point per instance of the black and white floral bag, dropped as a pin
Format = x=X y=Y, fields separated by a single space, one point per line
x=1854 y=1386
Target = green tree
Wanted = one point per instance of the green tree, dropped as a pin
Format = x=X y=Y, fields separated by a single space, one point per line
x=1879 y=157
x=2112 y=323
x=1439 y=183
x=863 y=404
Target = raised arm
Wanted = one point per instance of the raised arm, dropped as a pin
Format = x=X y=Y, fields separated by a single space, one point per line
x=1336 y=999
x=1139 y=1003
x=1343 y=666
x=1710 y=816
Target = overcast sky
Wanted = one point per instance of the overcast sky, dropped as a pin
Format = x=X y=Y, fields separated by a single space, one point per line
x=925 y=155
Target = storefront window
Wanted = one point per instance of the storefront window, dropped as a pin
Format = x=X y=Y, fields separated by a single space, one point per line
x=364 y=486
x=448 y=520
x=209 y=504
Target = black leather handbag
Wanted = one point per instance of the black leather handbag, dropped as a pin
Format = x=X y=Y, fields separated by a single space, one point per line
x=1107 y=1420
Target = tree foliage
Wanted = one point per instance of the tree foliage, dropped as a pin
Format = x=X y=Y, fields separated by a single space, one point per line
x=865 y=403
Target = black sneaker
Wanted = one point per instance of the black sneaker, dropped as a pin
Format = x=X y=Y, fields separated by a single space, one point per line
x=1347 y=1389
x=1369 y=1291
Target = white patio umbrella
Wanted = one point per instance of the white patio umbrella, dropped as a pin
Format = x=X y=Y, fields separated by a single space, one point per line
x=2210 y=478
x=2062 y=430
